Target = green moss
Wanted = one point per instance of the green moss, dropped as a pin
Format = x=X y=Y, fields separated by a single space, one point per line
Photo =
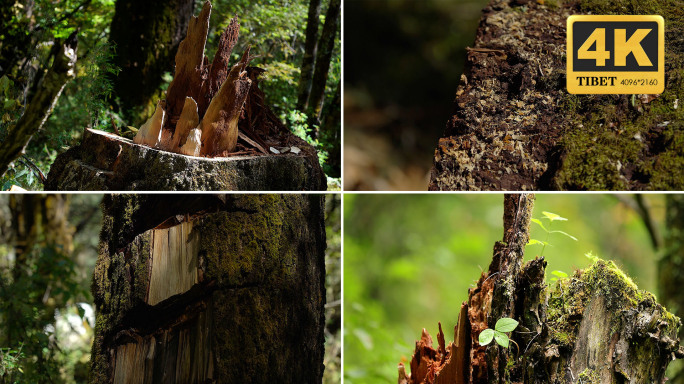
x=603 y=279
x=610 y=137
x=589 y=376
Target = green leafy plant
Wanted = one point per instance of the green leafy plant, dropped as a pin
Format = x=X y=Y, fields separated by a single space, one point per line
x=9 y=360
x=499 y=333
x=558 y=275
x=551 y=217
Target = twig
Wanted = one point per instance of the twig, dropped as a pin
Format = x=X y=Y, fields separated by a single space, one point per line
x=41 y=176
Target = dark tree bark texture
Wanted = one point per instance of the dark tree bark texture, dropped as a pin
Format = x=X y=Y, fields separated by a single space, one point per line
x=515 y=127
x=310 y=44
x=325 y=48
x=41 y=105
x=146 y=35
x=209 y=288
x=593 y=327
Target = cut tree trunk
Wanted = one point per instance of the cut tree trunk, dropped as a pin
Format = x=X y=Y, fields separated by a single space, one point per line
x=515 y=127
x=593 y=327
x=104 y=161
x=208 y=288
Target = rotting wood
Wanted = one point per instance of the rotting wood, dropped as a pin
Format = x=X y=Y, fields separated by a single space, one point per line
x=187 y=121
x=595 y=326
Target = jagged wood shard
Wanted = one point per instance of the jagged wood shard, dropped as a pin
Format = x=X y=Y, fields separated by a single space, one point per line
x=189 y=64
x=220 y=124
x=188 y=120
x=150 y=132
x=193 y=143
x=218 y=72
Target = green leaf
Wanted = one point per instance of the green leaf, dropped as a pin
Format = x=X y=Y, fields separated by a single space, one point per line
x=538 y=222
x=535 y=241
x=560 y=274
x=553 y=217
x=563 y=233
x=505 y=324
x=501 y=339
x=486 y=336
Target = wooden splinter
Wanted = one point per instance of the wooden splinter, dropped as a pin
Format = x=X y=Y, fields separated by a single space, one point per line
x=219 y=125
x=187 y=121
x=193 y=143
x=150 y=132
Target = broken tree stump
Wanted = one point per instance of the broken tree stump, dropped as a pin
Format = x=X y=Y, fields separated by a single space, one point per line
x=593 y=327
x=515 y=127
x=210 y=289
x=104 y=161
x=214 y=131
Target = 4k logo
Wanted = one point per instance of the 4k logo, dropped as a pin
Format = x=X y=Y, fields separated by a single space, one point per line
x=616 y=54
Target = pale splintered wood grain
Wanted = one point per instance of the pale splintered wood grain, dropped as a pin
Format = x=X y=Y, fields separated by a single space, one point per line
x=174 y=262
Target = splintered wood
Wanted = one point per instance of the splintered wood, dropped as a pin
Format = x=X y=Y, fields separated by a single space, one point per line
x=180 y=354
x=174 y=262
x=206 y=104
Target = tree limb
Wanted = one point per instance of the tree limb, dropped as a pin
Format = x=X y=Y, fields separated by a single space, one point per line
x=41 y=105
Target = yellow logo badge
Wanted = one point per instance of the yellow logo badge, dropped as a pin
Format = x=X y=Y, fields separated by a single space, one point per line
x=616 y=54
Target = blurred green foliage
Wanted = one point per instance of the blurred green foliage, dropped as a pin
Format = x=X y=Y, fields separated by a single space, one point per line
x=333 y=280
x=410 y=259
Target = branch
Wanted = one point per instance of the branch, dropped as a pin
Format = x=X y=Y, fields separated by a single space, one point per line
x=641 y=207
x=41 y=105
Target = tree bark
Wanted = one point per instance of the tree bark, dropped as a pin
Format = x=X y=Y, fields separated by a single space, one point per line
x=310 y=44
x=593 y=327
x=41 y=105
x=670 y=266
x=146 y=35
x=326 y=45
x=210 y=288
x=330 y=133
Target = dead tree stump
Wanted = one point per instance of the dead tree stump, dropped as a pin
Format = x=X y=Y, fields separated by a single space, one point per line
x=212 y=111
x=207 y=288
x=593 y=327
x=515 y=127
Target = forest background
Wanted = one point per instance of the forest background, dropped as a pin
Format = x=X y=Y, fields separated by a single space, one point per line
x=126 y=51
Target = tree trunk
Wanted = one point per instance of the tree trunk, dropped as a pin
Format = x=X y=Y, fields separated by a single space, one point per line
x=330 y=133
x=326 y=45
x=42 y=103
x=593 y=327
x=515 y=126
x=670 y=278
x=209 y=288
x=146 y=35
x=310 y=44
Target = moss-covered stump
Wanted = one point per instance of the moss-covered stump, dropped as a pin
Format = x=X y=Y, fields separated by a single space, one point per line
x=220 y=289
x=107 y=162
x=593 y=327
x=515 y=127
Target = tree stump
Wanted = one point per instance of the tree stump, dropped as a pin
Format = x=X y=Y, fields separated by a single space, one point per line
x=593 y=327
x=207 y=288
x=104 y=161
x=212 y=111
x=515 y=127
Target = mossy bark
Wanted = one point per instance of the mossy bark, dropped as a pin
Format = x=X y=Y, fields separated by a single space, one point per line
x=593 y=327
x=104 y=161
x=255 y=313
x=515 y=127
